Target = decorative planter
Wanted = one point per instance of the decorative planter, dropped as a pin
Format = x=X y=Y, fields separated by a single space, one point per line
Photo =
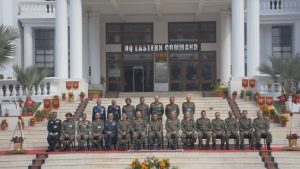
x=71 y=99
x=94 y=95
x=284 y=124
x=29 y=113
x=55 y=103
x=292 y=142
x=39 y=119
x=3 y=127
x=24 y=114
x=220 y=94
x=18 y=146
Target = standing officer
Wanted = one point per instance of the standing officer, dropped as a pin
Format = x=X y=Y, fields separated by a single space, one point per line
x=189 y=106
x=155 y=131
x=172 y=107
x=96 y=132
x=110 y=131
x=99 y=109
x=139 y=131
x=123 y=132
x=115 y=110
x=172 y=126
x=232 y=130
x=157 y=107
x=246 y=130
x=54 y=131
x=261 y=127
x=144 y=109
x=188 y=128
x=129 y=109
x=203 y=127
x=218 y=131
x=83 y=131
x=68 y=132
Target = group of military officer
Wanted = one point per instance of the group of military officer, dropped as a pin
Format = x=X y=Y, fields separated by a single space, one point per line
x=135 y=124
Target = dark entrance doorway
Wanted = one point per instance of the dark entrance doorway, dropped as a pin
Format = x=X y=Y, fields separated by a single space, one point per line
x=138 y=78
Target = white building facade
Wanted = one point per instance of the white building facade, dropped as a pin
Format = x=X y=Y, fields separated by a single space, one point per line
x=152 y=45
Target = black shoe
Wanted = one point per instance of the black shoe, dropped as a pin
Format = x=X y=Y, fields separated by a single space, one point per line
x=258 y=146
x=269 y=146
x=222 y=146
x=227 y=146
x=214 y=147
x=242 y=146
x=237 y=146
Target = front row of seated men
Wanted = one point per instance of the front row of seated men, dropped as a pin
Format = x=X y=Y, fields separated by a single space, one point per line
x=136 y=131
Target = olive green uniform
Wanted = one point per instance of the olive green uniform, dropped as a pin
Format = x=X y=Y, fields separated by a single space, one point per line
x=97 y=132
x=139 y=131
x=232 y=131
x=68 y=133
x=246 y=131
x=189 y=107
x=203 y=127
x=218 y=131
x=83 y=132
x=130 y=111
x=188 y=128
x=155 y=132
x=157 y=108
x=172 y=126
x=261 y=127
x=145 y=110
x=123 y=133
x=172 y=108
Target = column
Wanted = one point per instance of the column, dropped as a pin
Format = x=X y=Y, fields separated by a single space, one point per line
x=297 y=38
x=94 y=48
x=61 y=39
x=76 y=39
x=253 y=37
x=28 y=54
x=238 y=51
x=225 y=46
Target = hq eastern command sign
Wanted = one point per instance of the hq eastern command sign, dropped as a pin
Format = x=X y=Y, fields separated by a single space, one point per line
x=161 y=47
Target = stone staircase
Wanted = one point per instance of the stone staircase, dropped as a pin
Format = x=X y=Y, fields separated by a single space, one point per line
x=16 y=161
x=287 y=160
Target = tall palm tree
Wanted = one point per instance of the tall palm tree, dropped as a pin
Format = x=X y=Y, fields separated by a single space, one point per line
x=7 y=35
x=284 y=69
x=30 y=77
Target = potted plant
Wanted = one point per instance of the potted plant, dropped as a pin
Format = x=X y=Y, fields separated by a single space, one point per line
x=63 y=96
x=234 y=95
x=55 y=102
x=248 y=95
x=32 y=121
x=71 y=97
x=18 y=143
x=39 y=116
x=95 y=93
x=82 y=95
x=292 y=140
x=4 y=124
x=284 y=119
x=220 y=89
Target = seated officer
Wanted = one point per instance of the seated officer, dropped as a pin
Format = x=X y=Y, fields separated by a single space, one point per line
x=68 y=132
x=188 y=128
x=246 y=130
x=123 y=132
x=218 y=131
x=155 y=131
x=96 y=131
x=232 y=129
x=110 y=131
x=83 y=132
x=99 y=109
x=139 y=128
x=172 y=126
x=203 y=127
x=54 y=131
x=115 y=110
x=261 y=127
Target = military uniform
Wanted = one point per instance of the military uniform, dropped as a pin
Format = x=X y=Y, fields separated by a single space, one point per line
x=116 y=111
x=83 y=132
x=139 y=128
x=68 y=133
x=203 y=127
x=172 y=126
x=130 y=111
x=155 y=131
x=186 y=127
x=218 y=131
x=261 y=127
x=246 y=130
x=145 y=110
x=54 y=132
x=170 y=108
x=188 y=107
x=96 y=132
x=157 y=108
x=110 y=125
x=123 y=133
x=101 y=110
x=232 y=129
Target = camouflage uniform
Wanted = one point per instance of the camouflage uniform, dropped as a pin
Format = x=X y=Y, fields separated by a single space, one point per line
x=246 y=130
x=83 y=132
x=232 y=129
x=157 y=108
x=96 y=132
x=203 y=127
x=170 y=108
x=218 y=131
x=139 y=131
x=261 y=127
x=130 y=111
x=188 y=107
x=123 y=133
x=145 y=110
x=172 y=126
x=186 y=127
x=68 y=133
x=155 y=131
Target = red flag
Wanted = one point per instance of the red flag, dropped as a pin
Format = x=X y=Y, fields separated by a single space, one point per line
x=269 y=101
x=295 y=98
x=283 y=98
x=261 y=100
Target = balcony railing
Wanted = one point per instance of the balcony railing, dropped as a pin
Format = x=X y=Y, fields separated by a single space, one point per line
x=279 y=7
x=37 y=9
